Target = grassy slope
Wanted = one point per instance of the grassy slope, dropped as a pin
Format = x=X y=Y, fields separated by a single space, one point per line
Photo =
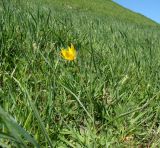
x=108 y=97
x=99 y=7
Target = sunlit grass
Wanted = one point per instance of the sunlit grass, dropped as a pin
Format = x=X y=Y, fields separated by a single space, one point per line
x=108 y=97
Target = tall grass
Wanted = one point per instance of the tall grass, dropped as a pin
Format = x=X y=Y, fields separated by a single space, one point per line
x=108 y=97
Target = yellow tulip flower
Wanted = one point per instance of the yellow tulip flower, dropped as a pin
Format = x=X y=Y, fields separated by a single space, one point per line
x=69 y=54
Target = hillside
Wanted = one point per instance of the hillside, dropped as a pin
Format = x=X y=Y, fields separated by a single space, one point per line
x=78 y=74
x=99 y=8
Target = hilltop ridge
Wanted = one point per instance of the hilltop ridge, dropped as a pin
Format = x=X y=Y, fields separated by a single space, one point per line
x=99 y=7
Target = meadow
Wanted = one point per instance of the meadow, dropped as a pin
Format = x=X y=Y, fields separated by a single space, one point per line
x=108 y=97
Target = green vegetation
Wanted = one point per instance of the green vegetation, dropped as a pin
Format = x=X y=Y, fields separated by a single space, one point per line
x=99 y=8
x=108 y=97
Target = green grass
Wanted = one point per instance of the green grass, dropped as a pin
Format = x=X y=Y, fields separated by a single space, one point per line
x=108 y=97
x=98 y=8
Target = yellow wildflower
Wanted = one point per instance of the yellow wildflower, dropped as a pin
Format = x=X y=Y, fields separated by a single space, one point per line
x=69 y=54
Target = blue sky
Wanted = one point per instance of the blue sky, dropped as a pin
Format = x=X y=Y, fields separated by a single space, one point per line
x=149 y=8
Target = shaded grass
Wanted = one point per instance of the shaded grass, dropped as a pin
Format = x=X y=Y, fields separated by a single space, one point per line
x=109 y=93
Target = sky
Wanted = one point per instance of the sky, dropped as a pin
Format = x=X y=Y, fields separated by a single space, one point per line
x=148 y=8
